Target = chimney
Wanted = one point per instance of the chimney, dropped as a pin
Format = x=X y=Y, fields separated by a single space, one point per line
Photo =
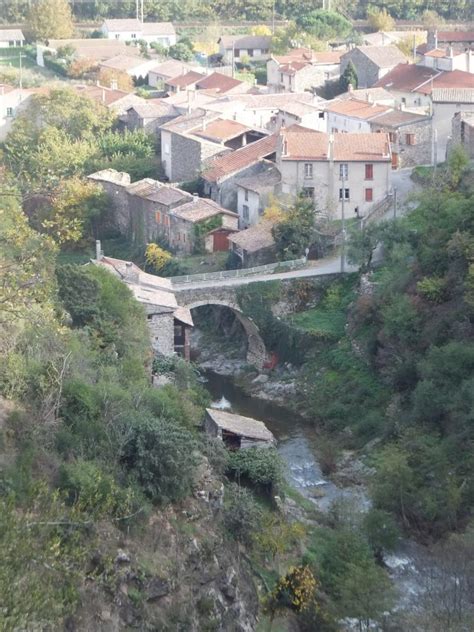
x=195 y=198
x=98 y=250
x=331 y=148
x=130 y=274
x=103 y=95
x=350 y=88
x=450 y=52
x=113 y=84
x=436 y=38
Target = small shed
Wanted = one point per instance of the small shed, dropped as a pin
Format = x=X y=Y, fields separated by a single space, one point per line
x=237 y=431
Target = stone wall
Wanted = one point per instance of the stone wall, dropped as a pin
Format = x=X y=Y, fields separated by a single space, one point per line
x=367 y=71
x=410 y=155
x=463 y=132
x=161 y=328
x=188 y=156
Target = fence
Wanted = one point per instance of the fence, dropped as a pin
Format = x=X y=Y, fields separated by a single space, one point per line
x=280 y=266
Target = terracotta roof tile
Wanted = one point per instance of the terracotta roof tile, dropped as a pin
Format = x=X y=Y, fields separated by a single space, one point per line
x=395 y=118
x=155 y=191
x=123 y=62
x=219 y=82
x=171 y=68
x=406 y=77
x=188 y=79
x=356 y=108
x=254 y=238
x=455 y=36
x=233 y=162
x=221 y=130
x=200 y=209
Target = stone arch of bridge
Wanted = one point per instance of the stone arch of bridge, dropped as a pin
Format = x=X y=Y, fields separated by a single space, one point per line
x=256 y=351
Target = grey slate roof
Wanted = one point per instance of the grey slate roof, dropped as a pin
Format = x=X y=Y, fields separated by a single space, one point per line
x=383 y=56
x=243 y=426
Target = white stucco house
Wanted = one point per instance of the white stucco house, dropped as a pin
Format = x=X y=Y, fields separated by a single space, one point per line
x=12 y=101
x=133 y=30
x=10 y=38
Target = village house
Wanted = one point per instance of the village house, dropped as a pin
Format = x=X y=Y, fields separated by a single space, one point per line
x=351 y=115
x=11 y=38
x=161 y=73
x=302 y=69
x=91 y=49
x=117 y=101
x=309 y=115
x=390 y=38
x=188 y=142
x=182 y=82
x=136 y=67
x=461 y=40
x=463 y=131
x=372 y=62
x=133 y=30
x=150 y=116
x=148 y=210
x=217 y=83
x=237 y=432
x=335 y=169
x=169 y=324
x=255 y=245
x=220 y=176
x=244 y=48
x=448 y=59
x=254 y=192
x=380 y=96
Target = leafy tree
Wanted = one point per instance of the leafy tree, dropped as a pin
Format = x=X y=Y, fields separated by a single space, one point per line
x=157 y=257
x=380 y=19
x=325 y=25
x=295 y=591
x=261 y=466
x=161 y=455
x=109 y=78
x=381 y=531
x=295 y=232
x=182 y=50
x=349 y=78
x=50 y=19
x=79 y=293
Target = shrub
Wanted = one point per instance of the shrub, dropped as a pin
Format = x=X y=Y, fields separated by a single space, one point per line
x=161 y=456
x=432 y=288
x=242 y=516
x=260 y=466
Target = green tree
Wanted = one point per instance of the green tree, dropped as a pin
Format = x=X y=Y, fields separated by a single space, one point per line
x=182 y=51
x=325 y=25
x=49 y=19
x=380 y=19
x=295 y=232
x=348 y=78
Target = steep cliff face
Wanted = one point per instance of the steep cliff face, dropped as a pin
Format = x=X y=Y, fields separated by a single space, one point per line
x=179 y=571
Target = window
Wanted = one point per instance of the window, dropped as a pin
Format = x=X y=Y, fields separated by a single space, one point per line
x=393 y=137
x=346 y=194
x=246 y=195
x=321 y=115
x=117 y=35
x=369 y=195
x=343 y=171
x=250 y=52
x=308 y=170
x=158 y=217
x=369 y=172
x=281 y=77
x=308 y=192
x=245 y=212
x=410 y=139
x=134 y=36
x=9 y=111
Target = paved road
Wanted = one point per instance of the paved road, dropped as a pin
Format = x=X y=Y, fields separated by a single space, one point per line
x=331 y=265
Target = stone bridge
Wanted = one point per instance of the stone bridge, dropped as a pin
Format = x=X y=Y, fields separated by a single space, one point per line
x=226 y=297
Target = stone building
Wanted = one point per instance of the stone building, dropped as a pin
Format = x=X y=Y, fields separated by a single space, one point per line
x=255 y=245
x=302 y=69
x=188 y=142
x=148 y=210
x=150 y=116
x=253 y=194
x=372 y=62
x=221 y=174
x=239 y=47
x=237 y=432
x=169 y=324
x=463 y=131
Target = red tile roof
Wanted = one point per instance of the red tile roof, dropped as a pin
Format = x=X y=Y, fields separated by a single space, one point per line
x=188 y=79
x=218 y=82
x=356 y=108
x=221 y=130
x=406 y=77
x=233 y=162
x=301 y=143
x=455 y=36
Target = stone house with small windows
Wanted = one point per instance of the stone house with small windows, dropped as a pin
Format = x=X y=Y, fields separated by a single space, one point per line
x=337 y=171
x=255 y=245
x=302 y=69
x=372 y=62
x=462 y=133
x=237 y=432
x=149 y=116
x=254 y=192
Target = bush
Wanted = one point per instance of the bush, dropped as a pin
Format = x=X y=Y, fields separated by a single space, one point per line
x=260 y=466
x=161 y=456
x=242 y=516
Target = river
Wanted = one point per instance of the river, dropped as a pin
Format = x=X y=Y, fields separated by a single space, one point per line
x=297 y=445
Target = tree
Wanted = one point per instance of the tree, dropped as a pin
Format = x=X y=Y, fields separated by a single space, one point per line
x=381 y=531
x=50 y=19
x=325 y=25
x=160 y=454
x=295 y=232
x=349 y=78
x=380 y=19
x=181 y=51
x=431 y=19
x=109 y=78
x=157 y=257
